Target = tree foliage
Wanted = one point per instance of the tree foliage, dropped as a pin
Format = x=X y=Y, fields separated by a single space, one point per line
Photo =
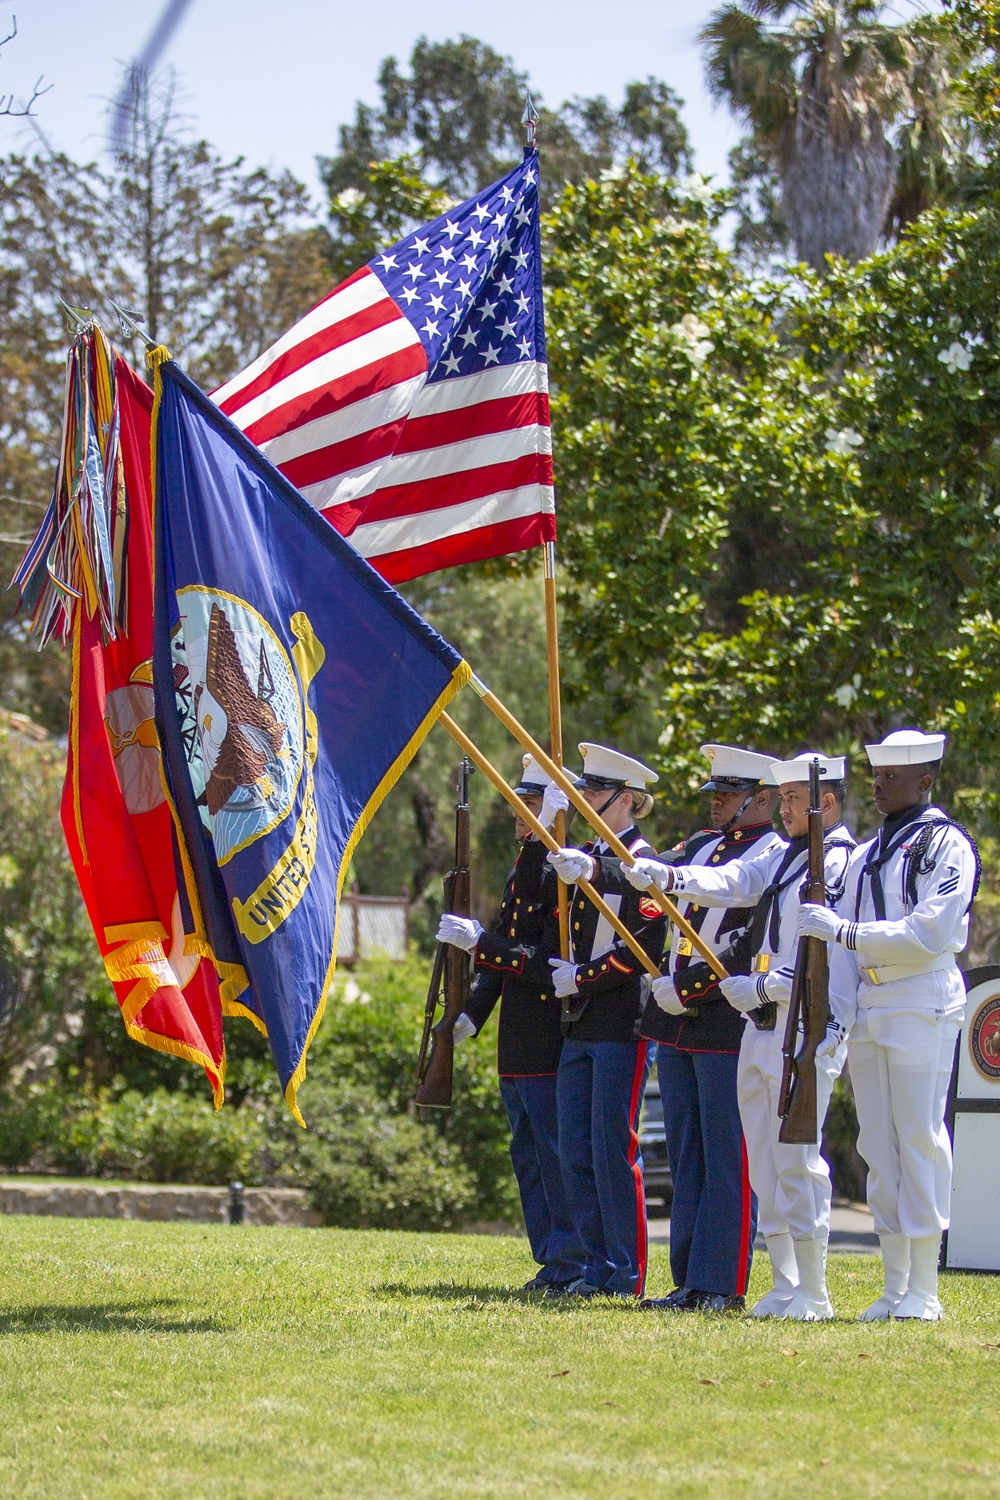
x=455 y=118
x=854 y=117
x=783 y=521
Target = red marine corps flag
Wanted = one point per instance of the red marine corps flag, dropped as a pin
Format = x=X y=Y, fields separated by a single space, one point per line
x=410 y=407
x=88 y=577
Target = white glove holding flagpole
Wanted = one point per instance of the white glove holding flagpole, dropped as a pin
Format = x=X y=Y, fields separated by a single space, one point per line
x=563 y=977
x=665 y=995
x=818 y=922
x=648 y=872
x=460 y=932
x=572 y=864
x=554 y=801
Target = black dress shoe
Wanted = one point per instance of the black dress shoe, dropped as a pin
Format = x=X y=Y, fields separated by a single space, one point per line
x=720 y=1302
x=681 y=1299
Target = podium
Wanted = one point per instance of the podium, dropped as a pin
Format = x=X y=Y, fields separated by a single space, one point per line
x=973 y=1241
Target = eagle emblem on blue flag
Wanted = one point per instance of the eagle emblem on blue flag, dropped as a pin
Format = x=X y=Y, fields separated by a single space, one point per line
x=241 y=716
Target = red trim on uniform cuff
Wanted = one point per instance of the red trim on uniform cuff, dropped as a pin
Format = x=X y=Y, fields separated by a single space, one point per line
x=506 y=965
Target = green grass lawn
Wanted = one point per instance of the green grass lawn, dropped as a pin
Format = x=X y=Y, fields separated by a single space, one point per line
x=197 y=1361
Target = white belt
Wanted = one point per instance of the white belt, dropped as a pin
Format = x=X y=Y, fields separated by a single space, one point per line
x=886 y=973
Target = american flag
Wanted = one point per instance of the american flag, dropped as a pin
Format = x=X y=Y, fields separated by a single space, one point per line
x=410 y=407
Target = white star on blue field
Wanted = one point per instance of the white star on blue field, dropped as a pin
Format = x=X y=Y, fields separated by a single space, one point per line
x=470 y=282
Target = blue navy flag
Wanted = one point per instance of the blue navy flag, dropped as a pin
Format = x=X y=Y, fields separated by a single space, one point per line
x=293 y=686
x=411 y=407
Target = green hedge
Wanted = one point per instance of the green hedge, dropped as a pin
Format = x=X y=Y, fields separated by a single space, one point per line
x=365 y=1161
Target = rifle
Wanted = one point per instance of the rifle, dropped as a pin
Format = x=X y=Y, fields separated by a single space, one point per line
x=810 y=1002
x=451 y=969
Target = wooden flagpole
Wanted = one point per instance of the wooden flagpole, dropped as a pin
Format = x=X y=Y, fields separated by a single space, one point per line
x=542 y=833
x=530 y=122
x=596 y=822
x=555 y=722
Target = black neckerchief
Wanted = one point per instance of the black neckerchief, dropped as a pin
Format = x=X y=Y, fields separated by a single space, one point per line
x=892 y=835
x=767 y=913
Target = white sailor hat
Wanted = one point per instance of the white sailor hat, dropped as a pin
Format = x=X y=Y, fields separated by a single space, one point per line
x=534 y=779
x=907 y=747
x=733 y=769
x=610 y=768
x=831 y=768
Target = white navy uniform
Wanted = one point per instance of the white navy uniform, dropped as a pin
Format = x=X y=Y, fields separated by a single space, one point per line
x=895 y=977
x=792 y=1183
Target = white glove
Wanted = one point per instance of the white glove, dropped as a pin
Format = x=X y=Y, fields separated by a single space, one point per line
x=647 y=872
x=460 y=932
x=665 y=995
x=464 y=1027
x=818 y=921
x=571 y=864
x=835 y=1034
x=563 y=977
x=741 y=992
x=554 y=801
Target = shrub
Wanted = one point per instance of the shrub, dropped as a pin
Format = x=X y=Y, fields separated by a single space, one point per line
x=364 y=1160
x=165 y=1137
x=158 y=1137
x=368 y=1168
x=369 y=1039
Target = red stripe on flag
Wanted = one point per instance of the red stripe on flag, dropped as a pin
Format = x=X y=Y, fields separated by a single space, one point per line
x=366 y=380
x=445 y=429
x=340 y=458
x=475 y=421
x=424 y=495
x=467 y=546
x=378 y=315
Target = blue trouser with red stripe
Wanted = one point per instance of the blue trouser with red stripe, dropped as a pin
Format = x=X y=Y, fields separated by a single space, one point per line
x=713 y=1218
x=599 y=1092
x=530 y=1103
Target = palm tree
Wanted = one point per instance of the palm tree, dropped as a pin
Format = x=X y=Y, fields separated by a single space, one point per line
x=820 y=84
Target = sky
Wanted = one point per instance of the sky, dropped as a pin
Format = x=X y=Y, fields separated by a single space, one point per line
x=273 y=82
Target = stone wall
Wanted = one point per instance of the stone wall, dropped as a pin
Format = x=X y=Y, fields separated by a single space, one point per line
x=140 y=1200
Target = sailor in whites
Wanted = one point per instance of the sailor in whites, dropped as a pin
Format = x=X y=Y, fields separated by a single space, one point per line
x=792 y=1183
x=603 y=1066
x=713 y=1216
x=903 y=918
x=529 y=1036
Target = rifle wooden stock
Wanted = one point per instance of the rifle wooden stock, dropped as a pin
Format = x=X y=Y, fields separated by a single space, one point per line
x=435 y=1083
x=431 y=1003
x=810 y=1001
x=791 y=1038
